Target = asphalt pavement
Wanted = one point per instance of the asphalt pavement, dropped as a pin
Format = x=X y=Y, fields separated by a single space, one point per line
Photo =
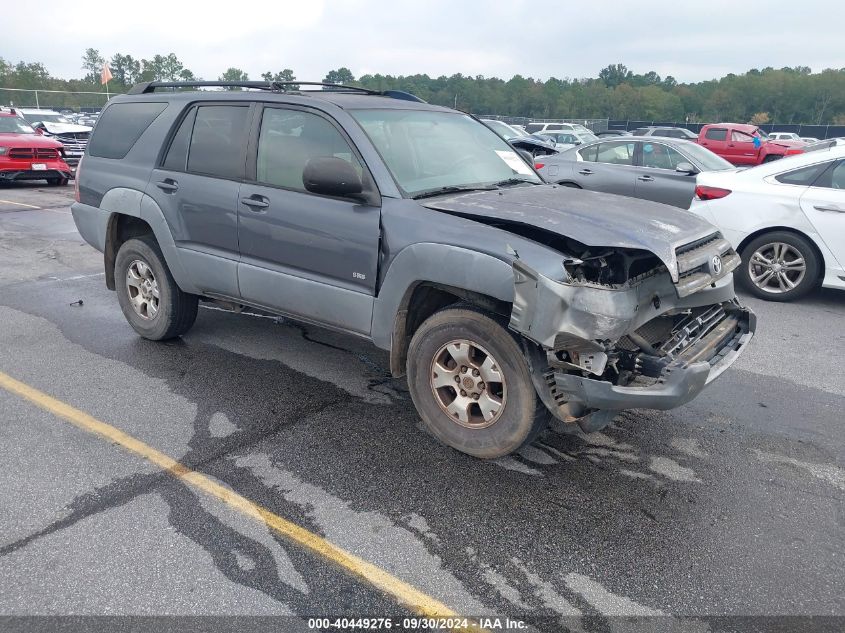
x=729 y=506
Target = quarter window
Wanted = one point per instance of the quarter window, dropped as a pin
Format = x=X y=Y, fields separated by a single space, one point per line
x=833 y=178
x=218 y=142
x=121 y=125
x=716 y=134
x=289 y=139
x=177 y=155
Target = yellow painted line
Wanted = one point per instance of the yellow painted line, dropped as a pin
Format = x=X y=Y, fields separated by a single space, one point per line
x=404 y=593
x=20 y=204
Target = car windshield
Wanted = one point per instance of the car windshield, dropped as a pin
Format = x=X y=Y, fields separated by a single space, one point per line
x=707 y=160
x=14 y=125
x=587 y=137
x=427 y=150
x=49 y=118
x=503 y=129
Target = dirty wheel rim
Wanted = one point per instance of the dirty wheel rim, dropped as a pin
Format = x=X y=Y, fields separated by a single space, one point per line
x=777 y=268
x=468 y=384
x=142 y=288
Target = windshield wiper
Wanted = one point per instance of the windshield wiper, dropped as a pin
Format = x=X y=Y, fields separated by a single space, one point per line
x=507 y=182
x=450 y=189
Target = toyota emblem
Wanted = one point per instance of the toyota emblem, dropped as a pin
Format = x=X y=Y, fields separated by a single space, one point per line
x=716 y=266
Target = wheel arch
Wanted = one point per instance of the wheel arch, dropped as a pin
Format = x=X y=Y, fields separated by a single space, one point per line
x=132 y=213
x=425 y=277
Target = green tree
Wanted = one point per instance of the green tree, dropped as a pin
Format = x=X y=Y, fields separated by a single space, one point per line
x=340 y=76
x=92 y=64
x=615 y=74
x=282 y=75
x=125 y=69
x=234 y=74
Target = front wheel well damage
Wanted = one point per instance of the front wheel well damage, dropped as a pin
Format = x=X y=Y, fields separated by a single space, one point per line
x=120 y=229
x=420 y=302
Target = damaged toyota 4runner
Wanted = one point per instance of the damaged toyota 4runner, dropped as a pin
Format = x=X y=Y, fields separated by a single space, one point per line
x=505 y=300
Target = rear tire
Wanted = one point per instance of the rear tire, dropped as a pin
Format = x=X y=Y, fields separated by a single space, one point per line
x=779 y=266
x=517 y=416
x=772 y=157
x=57 y=182
x=141 y=273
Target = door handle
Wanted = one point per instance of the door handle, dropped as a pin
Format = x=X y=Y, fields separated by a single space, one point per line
x=256 y=202
x=586 y=172
x=645 y=178
x=168 y=185
x=834 y=208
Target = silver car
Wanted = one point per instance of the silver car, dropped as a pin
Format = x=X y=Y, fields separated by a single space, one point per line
x=652 y=168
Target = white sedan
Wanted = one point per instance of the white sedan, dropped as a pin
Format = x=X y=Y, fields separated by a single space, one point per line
x=786 y=218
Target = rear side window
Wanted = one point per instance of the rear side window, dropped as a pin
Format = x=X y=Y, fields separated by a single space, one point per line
x=533 y=127
x=218 y=141
x=120 y=127
x=640 y=131
x=716 y=134
x=616 y=153
x=741 y=137
x=805 y=176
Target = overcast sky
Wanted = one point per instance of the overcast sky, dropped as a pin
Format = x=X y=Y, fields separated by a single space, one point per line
x=689 y=40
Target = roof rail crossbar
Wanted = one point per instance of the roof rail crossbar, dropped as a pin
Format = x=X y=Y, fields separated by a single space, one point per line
x=276 y=86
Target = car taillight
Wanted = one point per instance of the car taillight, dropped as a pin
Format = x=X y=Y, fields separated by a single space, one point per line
x=539 y=165
x=76 y=180
x=793 y=151
x=703 y=192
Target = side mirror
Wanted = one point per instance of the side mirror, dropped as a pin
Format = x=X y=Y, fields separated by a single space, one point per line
x=686 y=168
x=331 y=176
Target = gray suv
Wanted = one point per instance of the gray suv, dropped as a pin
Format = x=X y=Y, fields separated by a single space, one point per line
x=505 y=300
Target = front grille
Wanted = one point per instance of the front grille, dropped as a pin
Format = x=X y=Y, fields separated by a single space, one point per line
x=74 y=141
x=694 y=262
x=34 y=153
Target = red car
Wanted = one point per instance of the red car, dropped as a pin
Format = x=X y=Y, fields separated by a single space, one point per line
x=745 y=144
x=26 y=155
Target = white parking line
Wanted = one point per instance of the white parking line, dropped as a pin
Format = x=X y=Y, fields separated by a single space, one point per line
x=20 y=204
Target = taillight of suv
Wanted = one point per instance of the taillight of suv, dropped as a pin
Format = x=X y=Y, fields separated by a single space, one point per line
x=703 y=192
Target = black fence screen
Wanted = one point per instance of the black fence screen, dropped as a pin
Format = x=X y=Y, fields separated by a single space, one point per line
x=814 y=131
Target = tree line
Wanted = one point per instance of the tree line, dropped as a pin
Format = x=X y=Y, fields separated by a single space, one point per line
x=768 y=95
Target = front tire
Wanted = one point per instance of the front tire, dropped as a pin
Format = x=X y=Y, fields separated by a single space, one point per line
x=471 y=385
x=151 y=301
x=779 y=266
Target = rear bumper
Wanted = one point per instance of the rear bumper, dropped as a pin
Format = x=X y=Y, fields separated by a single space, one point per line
x=679 y=382
x=21 y=169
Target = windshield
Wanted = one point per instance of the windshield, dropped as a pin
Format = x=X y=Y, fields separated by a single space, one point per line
x=707 y=160
x=14 y=125
x=587 y=137
x=49 y=118
x=503 y=129
x=427 y=150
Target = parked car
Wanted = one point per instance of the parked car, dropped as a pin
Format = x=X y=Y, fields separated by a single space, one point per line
x=785 y=136
x=786 y=219
x=417 y=227
x=72 y=136
x=565 y=140
x=26 y=155
x=667 y=132
x=612 y=133
x=825 y=144
x=809 y=139
x=745 y=144
x=542 y=128
x=533 y=144
x=659 y=169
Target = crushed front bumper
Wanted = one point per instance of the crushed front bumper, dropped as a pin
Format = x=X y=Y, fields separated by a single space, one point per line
x=680 y=380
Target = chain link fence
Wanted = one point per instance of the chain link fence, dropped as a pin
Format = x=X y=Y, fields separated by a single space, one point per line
x=79 y=101
x=596 y=125
x=820 y=132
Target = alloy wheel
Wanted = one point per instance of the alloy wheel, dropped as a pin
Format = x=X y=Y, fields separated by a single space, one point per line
x=777 y=268
x=142 y=287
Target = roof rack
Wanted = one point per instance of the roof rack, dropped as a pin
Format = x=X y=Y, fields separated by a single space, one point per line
x=149 y=87
x=9 y=109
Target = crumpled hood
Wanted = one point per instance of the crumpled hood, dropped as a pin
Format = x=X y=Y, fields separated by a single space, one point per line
x=594 y=219
x=65 y=128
